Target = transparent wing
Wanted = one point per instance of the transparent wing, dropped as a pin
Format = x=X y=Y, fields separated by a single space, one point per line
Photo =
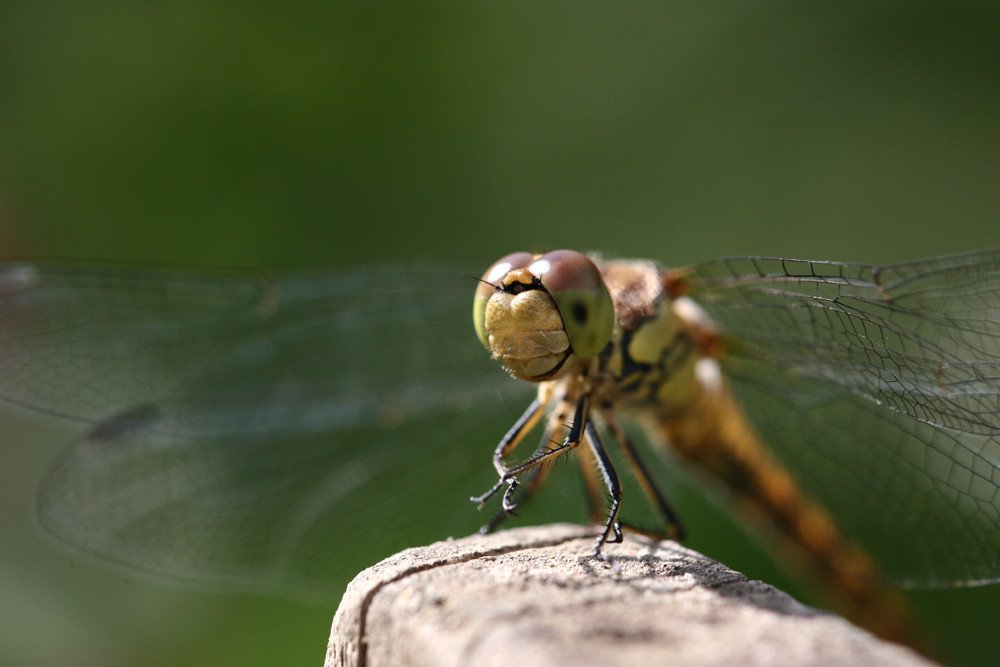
x=879 y=387
x=265 y=431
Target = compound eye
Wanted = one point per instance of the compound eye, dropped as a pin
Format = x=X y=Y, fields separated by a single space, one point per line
x=576 y=285
x=492 y=281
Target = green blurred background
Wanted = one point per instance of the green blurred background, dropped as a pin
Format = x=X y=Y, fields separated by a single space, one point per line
x=316 y=133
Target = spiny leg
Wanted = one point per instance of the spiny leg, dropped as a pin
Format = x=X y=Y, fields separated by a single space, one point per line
x=614 y=489
x=545 y=453
x=527 y=421
x=526 y=488
x=508 y=476
x=674 y=528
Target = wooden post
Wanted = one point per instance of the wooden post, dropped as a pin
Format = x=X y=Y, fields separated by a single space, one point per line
x=536 y=597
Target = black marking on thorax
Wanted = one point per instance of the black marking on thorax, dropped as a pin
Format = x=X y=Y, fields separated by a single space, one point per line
x=640 y=380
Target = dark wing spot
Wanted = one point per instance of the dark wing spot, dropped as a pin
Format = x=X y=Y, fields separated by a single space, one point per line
x=124 y=423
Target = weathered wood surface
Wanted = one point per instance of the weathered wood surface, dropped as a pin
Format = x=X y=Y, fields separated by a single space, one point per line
x=535 y=596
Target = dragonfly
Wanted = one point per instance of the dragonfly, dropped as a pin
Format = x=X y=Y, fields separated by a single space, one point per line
x=266 y=431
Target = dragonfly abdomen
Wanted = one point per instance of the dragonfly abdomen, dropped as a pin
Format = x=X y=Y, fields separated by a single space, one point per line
x=713 y=435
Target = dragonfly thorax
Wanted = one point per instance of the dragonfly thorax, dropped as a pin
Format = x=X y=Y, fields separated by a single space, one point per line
x=659 y=356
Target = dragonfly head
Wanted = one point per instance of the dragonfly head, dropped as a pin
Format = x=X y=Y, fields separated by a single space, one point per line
x=539 y=313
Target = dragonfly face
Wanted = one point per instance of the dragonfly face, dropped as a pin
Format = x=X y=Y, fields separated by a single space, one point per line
x=232 y=439
x=541 y=315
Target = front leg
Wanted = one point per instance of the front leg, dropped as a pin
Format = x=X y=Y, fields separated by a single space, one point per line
x=524 y=424
x=508 y=476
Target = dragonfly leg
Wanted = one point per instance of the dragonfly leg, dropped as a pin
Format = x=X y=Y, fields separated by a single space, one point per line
x=521 y=427
x=508 y=476
x=674 y=529
x=614 y=487
x=532 y=479
x=527 y=421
